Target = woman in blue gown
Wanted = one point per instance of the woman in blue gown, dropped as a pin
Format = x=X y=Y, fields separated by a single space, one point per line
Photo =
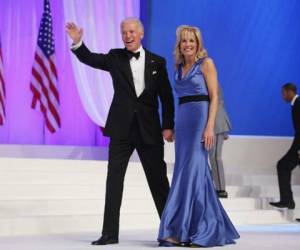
x=193 y=215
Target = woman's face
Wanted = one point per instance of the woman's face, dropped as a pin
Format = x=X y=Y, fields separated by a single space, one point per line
x=188 y=44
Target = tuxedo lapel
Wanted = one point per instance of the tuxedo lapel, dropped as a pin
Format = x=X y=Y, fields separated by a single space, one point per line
x=147 y=69
x=125 y=66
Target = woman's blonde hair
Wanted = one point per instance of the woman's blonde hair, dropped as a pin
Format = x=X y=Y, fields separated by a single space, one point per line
x=201 y=51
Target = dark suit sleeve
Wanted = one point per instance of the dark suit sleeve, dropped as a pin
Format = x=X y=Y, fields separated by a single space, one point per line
x=166 y=98
x=297 y=116
x=95 y=60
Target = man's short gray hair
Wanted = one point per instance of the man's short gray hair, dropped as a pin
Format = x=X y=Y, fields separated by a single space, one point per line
x=133 y=19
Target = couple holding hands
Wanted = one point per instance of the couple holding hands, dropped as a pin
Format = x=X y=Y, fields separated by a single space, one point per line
x=190 y=211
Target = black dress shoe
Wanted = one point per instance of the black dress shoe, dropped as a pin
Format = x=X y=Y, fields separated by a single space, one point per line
x=184 y=244
x=222 y=194
x=289 y=205
x=168 y=244
x=195 y=246
x=171 y=244
x=298 y=219
x=105 y=240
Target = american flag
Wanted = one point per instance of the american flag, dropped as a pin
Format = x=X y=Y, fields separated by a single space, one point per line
x=44 y=80
x=2 y=90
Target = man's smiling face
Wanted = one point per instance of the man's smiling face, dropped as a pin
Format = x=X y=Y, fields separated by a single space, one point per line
x=132 y=35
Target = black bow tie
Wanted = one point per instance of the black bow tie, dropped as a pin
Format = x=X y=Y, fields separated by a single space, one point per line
x=132 y=54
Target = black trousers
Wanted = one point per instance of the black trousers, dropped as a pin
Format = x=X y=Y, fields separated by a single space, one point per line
x=152 y=159
x=285 y=166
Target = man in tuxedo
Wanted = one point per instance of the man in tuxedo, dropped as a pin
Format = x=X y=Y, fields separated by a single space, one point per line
x=222 y=127
x=139 y=79
x=290 y=160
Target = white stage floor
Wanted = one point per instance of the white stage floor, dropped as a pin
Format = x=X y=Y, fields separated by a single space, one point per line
x=58 y=204
x=271 y=237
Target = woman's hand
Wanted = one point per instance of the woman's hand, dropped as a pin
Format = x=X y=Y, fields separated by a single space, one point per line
x=208 y=138
x=74 y=32
x=168 y=135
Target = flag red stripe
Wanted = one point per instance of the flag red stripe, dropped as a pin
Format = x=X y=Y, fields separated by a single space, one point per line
x=46 y=72
x=2 y=84
x=37 y=95
x=48 y=123
x=2 y=105
x=39 y=79
x=46 y=68
x=52 y=66
x=51 y=109
x=2 y=91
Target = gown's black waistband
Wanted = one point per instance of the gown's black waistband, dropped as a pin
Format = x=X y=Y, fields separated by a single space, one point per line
x=193 y=98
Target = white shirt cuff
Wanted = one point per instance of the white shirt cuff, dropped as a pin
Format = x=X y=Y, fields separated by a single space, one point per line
x=76 y=46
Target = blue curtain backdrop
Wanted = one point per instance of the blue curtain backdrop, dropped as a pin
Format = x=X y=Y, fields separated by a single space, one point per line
x=255 y=45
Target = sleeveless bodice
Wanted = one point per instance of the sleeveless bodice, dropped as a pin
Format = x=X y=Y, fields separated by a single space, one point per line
x=193 y=83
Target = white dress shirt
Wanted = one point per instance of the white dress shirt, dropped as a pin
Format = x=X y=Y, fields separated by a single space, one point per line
x=138 y=71
x=137 y=68
x=294 y=99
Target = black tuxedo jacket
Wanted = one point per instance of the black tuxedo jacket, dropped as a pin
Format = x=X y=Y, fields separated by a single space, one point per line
x=125 y=103
x=296 y=115
x=296 y=124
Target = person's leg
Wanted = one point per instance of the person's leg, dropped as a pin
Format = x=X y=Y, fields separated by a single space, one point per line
x=220 y=166
x=119 y=154
x=285 y=167
x=152 y=158
x=216 y=162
